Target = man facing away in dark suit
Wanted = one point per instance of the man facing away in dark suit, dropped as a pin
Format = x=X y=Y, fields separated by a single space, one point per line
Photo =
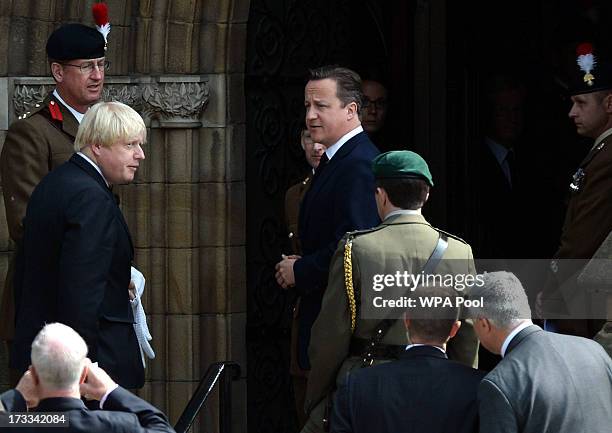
x=341 y=196
x=74 y=266
x=61 y=373
x=545 y=382
x=423 y=391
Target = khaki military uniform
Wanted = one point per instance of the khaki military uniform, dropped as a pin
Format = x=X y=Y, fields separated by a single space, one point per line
x=405 y=237
x=293 y=200
x=588 y=221
x=35 y=144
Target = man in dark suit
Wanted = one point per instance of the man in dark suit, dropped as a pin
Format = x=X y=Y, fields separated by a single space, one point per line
x=74 y=266
x=423 y=391
x=60 y=374
x=341 y=197
x=42 y=139
x=545 y=382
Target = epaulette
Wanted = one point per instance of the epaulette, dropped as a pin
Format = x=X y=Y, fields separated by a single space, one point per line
x=452 y=236
x=355 y=233
x=34 y=110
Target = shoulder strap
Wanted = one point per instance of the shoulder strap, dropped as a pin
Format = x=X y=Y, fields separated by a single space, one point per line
x=383 y=327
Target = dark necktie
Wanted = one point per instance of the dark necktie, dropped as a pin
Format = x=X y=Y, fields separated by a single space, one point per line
x=322 y=163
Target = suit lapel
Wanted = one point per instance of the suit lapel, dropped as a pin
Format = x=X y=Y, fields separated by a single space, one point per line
x=320 y=179
x=518 y=338
x=91 y=171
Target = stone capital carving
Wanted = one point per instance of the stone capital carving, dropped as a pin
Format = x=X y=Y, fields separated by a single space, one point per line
x=175 y=104
x=165 y=102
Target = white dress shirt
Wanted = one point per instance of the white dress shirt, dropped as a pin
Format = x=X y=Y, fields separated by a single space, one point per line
x=331 y=150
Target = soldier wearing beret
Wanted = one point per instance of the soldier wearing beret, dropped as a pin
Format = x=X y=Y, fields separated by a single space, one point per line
x=41 y=140
x=588 y=219
x=343 y=337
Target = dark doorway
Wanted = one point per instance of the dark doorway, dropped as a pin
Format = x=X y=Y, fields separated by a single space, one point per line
x=284 y=40
x=531 y=41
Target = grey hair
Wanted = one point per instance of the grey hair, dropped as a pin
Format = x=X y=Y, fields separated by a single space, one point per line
x=505 y=302
x=58 y=355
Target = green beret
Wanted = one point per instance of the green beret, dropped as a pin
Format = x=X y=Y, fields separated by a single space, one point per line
x=75 y=41
x=401 y=164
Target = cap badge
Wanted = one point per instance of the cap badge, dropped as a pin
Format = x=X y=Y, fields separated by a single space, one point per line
x=586 y=61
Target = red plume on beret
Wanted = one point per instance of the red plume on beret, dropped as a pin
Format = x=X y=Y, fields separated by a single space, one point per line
x=584 y=48
x=100 y=13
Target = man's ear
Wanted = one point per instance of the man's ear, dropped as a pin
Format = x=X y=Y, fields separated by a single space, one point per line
x=84 y=374
x=96 y=148
x=484 y=324
x=57 y=71
x=454 y=329
x=608 y=103
x=34 y=375
x=352 y=110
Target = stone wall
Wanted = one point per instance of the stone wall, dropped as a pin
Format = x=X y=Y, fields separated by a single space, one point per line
x=180 y=63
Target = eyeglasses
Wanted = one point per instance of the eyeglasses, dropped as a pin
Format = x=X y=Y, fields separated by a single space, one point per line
x=379 y=104
x=88 y=67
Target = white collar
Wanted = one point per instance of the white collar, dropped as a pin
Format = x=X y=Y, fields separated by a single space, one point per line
x=78 y=116
x=513 y=334
x=402 y=212
x=410 y=346
x=331 y=150
x=602 y=137
x=88 y=159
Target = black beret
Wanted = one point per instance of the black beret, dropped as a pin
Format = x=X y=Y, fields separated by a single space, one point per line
x=75 y=41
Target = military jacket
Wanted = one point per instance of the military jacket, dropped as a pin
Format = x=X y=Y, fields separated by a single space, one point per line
x=293 y=200
x=407 y=238
x=36 y=143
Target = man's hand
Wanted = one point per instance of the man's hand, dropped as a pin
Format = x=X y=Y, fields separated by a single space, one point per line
x=132 y=290
x=284 y=271
x=28 y=389
x=97 y=383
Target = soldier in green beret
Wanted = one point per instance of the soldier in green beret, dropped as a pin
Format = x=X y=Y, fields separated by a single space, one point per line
x=345 y=336
x=43 y=138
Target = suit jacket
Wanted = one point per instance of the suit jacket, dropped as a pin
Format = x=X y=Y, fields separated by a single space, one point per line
x=493 y=209
x=35 y=144
x=400 y=243
x=123 y=412
x=548 y=383
x=421 y=392
x=74 y=268
x=340 y=199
